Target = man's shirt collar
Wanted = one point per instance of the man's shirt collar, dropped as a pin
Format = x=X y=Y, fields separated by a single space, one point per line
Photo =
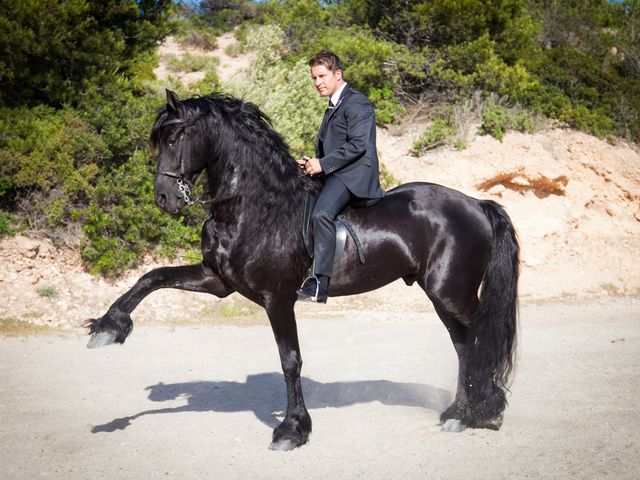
x=336 y=96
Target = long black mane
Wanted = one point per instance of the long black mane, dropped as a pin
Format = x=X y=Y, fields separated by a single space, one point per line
x=241 y=136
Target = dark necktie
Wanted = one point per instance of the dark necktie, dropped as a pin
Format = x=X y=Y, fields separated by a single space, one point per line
x=325 y=119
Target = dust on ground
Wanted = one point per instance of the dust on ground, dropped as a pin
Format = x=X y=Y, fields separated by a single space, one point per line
x=201 y=402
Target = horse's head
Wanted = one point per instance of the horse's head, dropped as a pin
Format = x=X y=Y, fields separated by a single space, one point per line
x=178 y=166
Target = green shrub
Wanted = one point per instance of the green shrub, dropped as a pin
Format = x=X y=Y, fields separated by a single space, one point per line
x=122 y=114
x=436 y=135
x=43 y=148
x=47 y=291
x=475 y=65
x=7 y=227
x=123 y=223
x=233 y=50
x=191 y=63
x=210 y=83
x=282 y=90
x=497 y=120
x=49 y=50
x=594 y=121
x=194 y=32
x=227 y=14
x=300 y=21
x=56 y=153
x=387 y=105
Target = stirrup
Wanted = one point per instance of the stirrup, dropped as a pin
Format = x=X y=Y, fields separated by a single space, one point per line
x=313 y=276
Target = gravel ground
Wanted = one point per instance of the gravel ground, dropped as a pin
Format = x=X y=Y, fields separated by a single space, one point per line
x=200 y=402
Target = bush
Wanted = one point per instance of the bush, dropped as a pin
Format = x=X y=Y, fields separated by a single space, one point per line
x=48 y=50
x=283 y=91
x=497 y=120
x=576 y=89
x=436 y=135
x=53 y=152
x=123 y=222
x=594 y=121
x=193 y=31
x=191 y=63
x=299 y=20
x=387 y=105
x=7 y=227
x=121 y=113
x=465 y=68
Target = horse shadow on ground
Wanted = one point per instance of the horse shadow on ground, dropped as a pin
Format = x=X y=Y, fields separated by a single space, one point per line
x=264 y=395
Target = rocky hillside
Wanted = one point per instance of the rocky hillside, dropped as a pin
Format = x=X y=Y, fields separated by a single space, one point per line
x=574 y=199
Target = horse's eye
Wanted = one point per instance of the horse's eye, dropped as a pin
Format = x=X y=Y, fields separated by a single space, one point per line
x=173 y=140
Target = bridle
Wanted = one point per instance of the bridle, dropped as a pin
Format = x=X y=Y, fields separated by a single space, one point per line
x=182 y=186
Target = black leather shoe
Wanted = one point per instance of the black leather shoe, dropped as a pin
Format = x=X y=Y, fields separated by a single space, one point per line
x=312 y=290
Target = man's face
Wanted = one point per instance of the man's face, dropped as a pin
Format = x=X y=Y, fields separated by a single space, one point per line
x=326 y=81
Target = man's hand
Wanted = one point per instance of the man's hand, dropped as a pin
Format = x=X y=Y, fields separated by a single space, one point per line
x=310 y=166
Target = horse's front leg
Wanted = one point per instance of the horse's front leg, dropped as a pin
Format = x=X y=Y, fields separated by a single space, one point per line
x=295 y=428
x=116 y=324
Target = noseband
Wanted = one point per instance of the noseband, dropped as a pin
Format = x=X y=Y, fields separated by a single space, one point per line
x=182 y=187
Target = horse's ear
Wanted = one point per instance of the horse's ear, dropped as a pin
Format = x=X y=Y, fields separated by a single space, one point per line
x=172 y=100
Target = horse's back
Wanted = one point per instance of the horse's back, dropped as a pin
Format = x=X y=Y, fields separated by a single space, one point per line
x=417 y=228
x=421 y=208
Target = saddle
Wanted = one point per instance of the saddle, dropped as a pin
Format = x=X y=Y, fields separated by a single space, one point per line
x=343 y=227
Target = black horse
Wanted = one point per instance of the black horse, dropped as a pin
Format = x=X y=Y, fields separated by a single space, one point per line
x=462 y=252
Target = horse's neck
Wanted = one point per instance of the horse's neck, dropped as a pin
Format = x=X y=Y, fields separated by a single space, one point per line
x=243 y=195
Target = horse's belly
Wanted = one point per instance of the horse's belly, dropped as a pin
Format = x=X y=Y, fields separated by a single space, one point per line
x=385 y=262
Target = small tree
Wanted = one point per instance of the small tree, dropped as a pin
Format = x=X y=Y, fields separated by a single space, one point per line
x=48 y=49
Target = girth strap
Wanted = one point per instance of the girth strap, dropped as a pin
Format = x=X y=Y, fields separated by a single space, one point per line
x=307 y=236
x=347 y=224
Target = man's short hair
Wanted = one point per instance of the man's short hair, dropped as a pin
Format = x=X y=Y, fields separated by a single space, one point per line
x=328 y=59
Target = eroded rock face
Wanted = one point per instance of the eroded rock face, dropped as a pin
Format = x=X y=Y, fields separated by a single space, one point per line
x=574 y=199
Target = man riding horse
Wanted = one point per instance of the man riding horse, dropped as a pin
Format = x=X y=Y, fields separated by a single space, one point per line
x=346 y=157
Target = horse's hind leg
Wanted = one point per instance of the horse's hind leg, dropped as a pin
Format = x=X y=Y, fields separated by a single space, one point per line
x=295 y=428
x=116 y=324
x=456 y=416
x=479 y=402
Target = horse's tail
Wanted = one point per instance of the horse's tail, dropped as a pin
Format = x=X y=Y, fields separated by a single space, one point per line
x=492 y=338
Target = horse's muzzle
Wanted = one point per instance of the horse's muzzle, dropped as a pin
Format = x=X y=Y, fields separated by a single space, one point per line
x=165 y=196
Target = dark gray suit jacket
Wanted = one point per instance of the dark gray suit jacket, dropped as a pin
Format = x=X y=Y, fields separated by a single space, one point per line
x=346 y=144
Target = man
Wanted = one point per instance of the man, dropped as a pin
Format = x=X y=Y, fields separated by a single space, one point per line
x=346 y=156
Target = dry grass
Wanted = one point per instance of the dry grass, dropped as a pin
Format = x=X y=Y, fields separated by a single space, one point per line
x=10 y=327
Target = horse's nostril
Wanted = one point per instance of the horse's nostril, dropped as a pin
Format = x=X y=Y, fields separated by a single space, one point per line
x=162 y=199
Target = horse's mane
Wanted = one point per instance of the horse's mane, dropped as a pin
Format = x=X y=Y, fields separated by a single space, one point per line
x=244 y=153
x=223 y=114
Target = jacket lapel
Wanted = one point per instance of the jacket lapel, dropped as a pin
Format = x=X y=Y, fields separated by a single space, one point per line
x=328 y=115
x=343 y=98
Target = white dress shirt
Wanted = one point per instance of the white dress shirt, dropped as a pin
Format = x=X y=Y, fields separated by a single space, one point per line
x=336 y=96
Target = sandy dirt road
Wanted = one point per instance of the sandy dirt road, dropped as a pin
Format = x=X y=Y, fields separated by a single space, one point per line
x=200 y=402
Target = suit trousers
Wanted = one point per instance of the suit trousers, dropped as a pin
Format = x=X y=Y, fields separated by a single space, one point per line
x=333 y=198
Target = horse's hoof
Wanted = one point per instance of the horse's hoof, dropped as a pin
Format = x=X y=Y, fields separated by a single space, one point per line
x=282 y=445
x=453 y=425
x=489 y=423
x=101 y=339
